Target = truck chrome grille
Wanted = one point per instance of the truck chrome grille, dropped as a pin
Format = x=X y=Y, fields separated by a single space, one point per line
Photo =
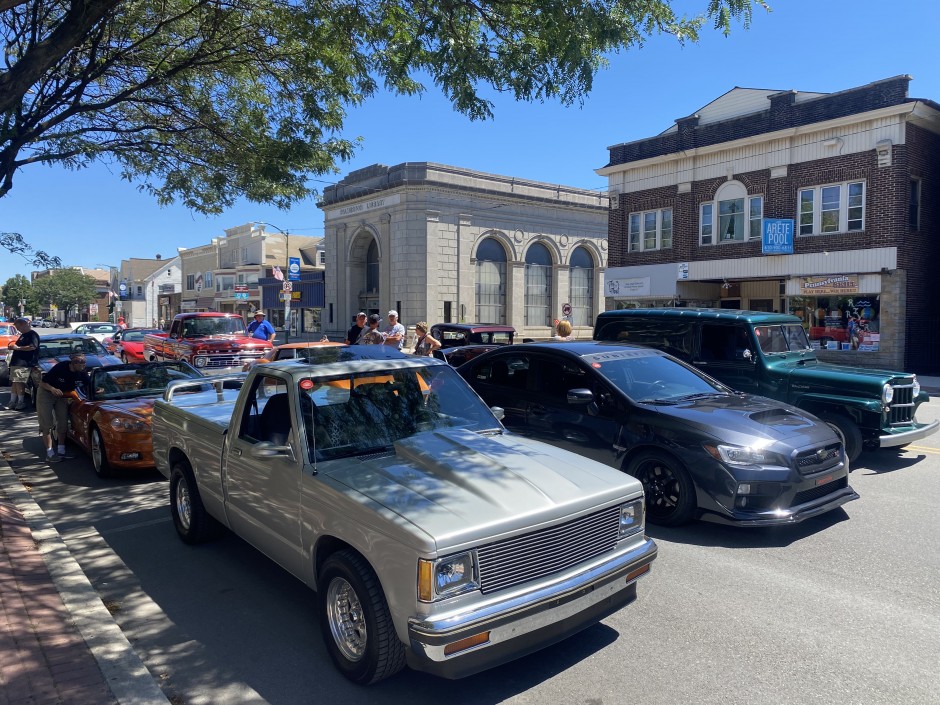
x=232 y=360
x=531 y=556
x=901 y=408
x=819 y=459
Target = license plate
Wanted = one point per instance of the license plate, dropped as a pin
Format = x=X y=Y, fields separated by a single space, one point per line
x=824 y=480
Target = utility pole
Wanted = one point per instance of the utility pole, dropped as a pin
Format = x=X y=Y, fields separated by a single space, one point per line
x=286 y=286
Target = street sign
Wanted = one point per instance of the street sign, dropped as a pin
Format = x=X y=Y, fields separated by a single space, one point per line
x=566 y=309
x=241 y=295
x=287 y=286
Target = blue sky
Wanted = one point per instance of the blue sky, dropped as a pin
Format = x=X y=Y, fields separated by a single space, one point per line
x=92 y=217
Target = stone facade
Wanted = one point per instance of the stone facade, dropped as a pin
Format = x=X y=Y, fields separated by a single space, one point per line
x=407 y=238
x=770 y=148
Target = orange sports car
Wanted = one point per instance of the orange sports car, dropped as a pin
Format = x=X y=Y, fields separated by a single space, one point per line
x=290 y=351
x=110 y=419
x=8 y=334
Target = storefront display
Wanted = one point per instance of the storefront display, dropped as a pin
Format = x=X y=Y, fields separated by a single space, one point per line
x=840 y=322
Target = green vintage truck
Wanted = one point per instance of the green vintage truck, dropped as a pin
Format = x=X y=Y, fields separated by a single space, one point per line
x=770 y=354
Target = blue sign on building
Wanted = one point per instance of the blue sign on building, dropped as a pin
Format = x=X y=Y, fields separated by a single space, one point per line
x=293 y=269
x=777 y=236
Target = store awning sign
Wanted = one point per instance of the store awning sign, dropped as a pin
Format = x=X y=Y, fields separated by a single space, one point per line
x=829 y=285
x=777 y=236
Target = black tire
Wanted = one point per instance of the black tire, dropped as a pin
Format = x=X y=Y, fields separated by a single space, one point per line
x=848 y=432
x=99 y=457
x=355 y=622
x=123 y=357
x=668 y=487
x=192 y=521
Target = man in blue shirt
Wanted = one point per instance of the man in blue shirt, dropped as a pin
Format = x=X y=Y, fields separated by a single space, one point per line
x=260 y=328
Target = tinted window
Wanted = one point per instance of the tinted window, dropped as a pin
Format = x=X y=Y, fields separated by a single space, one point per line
x=505 y=371
x=723 y=343
x=673 y=337
x=652 y=377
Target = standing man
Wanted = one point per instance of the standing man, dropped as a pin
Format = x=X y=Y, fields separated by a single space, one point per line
x=25 y=356
x=395 y=333
x=352 y=335
x=373 y=336
x=52 y=402
x=260 y=328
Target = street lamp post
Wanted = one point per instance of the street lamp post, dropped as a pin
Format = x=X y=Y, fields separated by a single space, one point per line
x=284 y=292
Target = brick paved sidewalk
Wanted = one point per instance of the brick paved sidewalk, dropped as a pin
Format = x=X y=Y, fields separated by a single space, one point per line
x=43 y=657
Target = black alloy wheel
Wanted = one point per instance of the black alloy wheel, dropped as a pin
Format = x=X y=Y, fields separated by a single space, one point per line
x=669 y=490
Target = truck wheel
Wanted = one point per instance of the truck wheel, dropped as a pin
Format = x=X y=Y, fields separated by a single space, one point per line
x=848 y=433
x=192 y=522
x=355 y=621
x=99 y=457
x=669 y=490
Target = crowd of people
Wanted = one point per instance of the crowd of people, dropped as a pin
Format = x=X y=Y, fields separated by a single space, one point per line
x=365 y=331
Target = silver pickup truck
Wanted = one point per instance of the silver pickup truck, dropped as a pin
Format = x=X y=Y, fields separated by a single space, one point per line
x=432 y=536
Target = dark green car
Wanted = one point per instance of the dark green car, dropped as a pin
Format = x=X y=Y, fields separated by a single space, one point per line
x=769 y=354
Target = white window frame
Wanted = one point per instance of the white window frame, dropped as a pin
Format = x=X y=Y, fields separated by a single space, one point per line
x=816 y=193
x=708 y=225
x=321 y=257
x=641 y=219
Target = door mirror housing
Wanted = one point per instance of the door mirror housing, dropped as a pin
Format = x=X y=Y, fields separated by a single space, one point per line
x=580 y=396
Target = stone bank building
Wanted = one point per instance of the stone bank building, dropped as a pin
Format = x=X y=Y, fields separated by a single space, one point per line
x=856 y=175
x=445 y=244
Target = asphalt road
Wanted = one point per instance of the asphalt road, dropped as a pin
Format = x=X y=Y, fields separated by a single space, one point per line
x=842 y=609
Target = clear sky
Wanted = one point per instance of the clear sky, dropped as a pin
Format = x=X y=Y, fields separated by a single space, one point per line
x=92 y=217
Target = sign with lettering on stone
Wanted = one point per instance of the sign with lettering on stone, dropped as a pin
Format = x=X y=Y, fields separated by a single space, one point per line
x=777 y=236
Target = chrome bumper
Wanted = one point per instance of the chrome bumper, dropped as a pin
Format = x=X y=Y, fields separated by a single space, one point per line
x=899 y=439
x=528 y=622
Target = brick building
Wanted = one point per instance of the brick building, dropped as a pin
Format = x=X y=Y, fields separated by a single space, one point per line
x=856 y=173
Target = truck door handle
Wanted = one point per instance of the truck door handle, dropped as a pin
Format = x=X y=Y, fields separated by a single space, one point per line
x=237 y=452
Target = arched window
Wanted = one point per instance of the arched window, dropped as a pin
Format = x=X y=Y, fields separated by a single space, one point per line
x=491 y=282
x=538 y=286
x=582 y=287
x=372 y=267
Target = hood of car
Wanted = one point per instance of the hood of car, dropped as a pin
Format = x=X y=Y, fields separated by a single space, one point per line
x=744 y=418
x=460 y=487
x=141 y=407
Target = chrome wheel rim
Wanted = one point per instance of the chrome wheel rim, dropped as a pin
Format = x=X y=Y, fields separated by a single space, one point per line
x=97 y=450
x=183 y=506
x=346 y=619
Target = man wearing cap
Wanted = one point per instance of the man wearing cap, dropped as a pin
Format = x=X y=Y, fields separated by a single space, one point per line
x=372 y=335
x=25 y=356
x=260 y=328
x=53 y=395
x=354 y=333
x=395 y=333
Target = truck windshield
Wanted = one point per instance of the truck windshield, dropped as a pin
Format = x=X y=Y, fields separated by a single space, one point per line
x=783 y=338
x=202 y=327
x=367 y=412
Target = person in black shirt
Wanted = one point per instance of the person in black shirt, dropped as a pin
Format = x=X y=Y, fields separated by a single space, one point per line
x=52 y=402
x=352 y=335
x=25 y=356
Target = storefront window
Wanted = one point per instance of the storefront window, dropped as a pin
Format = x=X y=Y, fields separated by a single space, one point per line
x=840 y=322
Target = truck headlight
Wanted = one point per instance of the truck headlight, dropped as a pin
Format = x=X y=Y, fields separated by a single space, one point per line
x=916 y=388
x=200 y=361
x=631 y=518
x=446 y=577
x=743 y=455
x=887 y=393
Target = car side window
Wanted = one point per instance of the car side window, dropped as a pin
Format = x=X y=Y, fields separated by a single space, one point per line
x=724 y=343
x=670 y=336
x=510 y=371
x=558 y=377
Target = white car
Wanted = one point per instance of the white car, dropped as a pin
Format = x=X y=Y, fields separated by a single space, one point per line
x=98 y=331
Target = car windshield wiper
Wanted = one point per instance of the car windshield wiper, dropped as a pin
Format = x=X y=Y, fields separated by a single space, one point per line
x=668 y=402
x=701 y=395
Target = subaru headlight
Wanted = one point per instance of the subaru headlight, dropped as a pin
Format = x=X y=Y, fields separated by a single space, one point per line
x=743 y=455
x=916 y=388
x=632 y=518
x=129 y=425
x=887 y=393
x=200 y=361
x=446 y=577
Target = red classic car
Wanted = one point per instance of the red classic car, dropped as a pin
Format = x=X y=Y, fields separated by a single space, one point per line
x=129 y=344
x=110 y=420
x=210 y=341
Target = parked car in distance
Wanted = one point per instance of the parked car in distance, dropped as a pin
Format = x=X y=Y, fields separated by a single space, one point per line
x=56 y=348
x=461 y=342
x=129 y=344
x=431 y=536
x=110 y=419
x=98 y=331
x=769 y=354
x=292 y=351
x=700 y=449
x=8 y=334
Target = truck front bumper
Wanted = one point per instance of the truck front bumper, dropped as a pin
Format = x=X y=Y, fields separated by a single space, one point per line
x=524 y=623
x=902 y=438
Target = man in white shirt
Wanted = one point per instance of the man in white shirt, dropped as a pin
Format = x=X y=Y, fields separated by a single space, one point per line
x=395 y=333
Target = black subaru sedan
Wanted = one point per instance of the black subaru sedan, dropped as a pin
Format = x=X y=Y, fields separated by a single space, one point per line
x=700 y=449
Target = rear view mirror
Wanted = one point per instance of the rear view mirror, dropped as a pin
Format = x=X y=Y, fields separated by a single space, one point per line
x=580 y=396
x=498 y=412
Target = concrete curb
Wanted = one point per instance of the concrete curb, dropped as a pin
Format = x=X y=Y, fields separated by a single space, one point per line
x=127 y=677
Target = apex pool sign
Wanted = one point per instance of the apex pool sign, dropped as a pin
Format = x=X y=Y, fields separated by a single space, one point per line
x=777 y=236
